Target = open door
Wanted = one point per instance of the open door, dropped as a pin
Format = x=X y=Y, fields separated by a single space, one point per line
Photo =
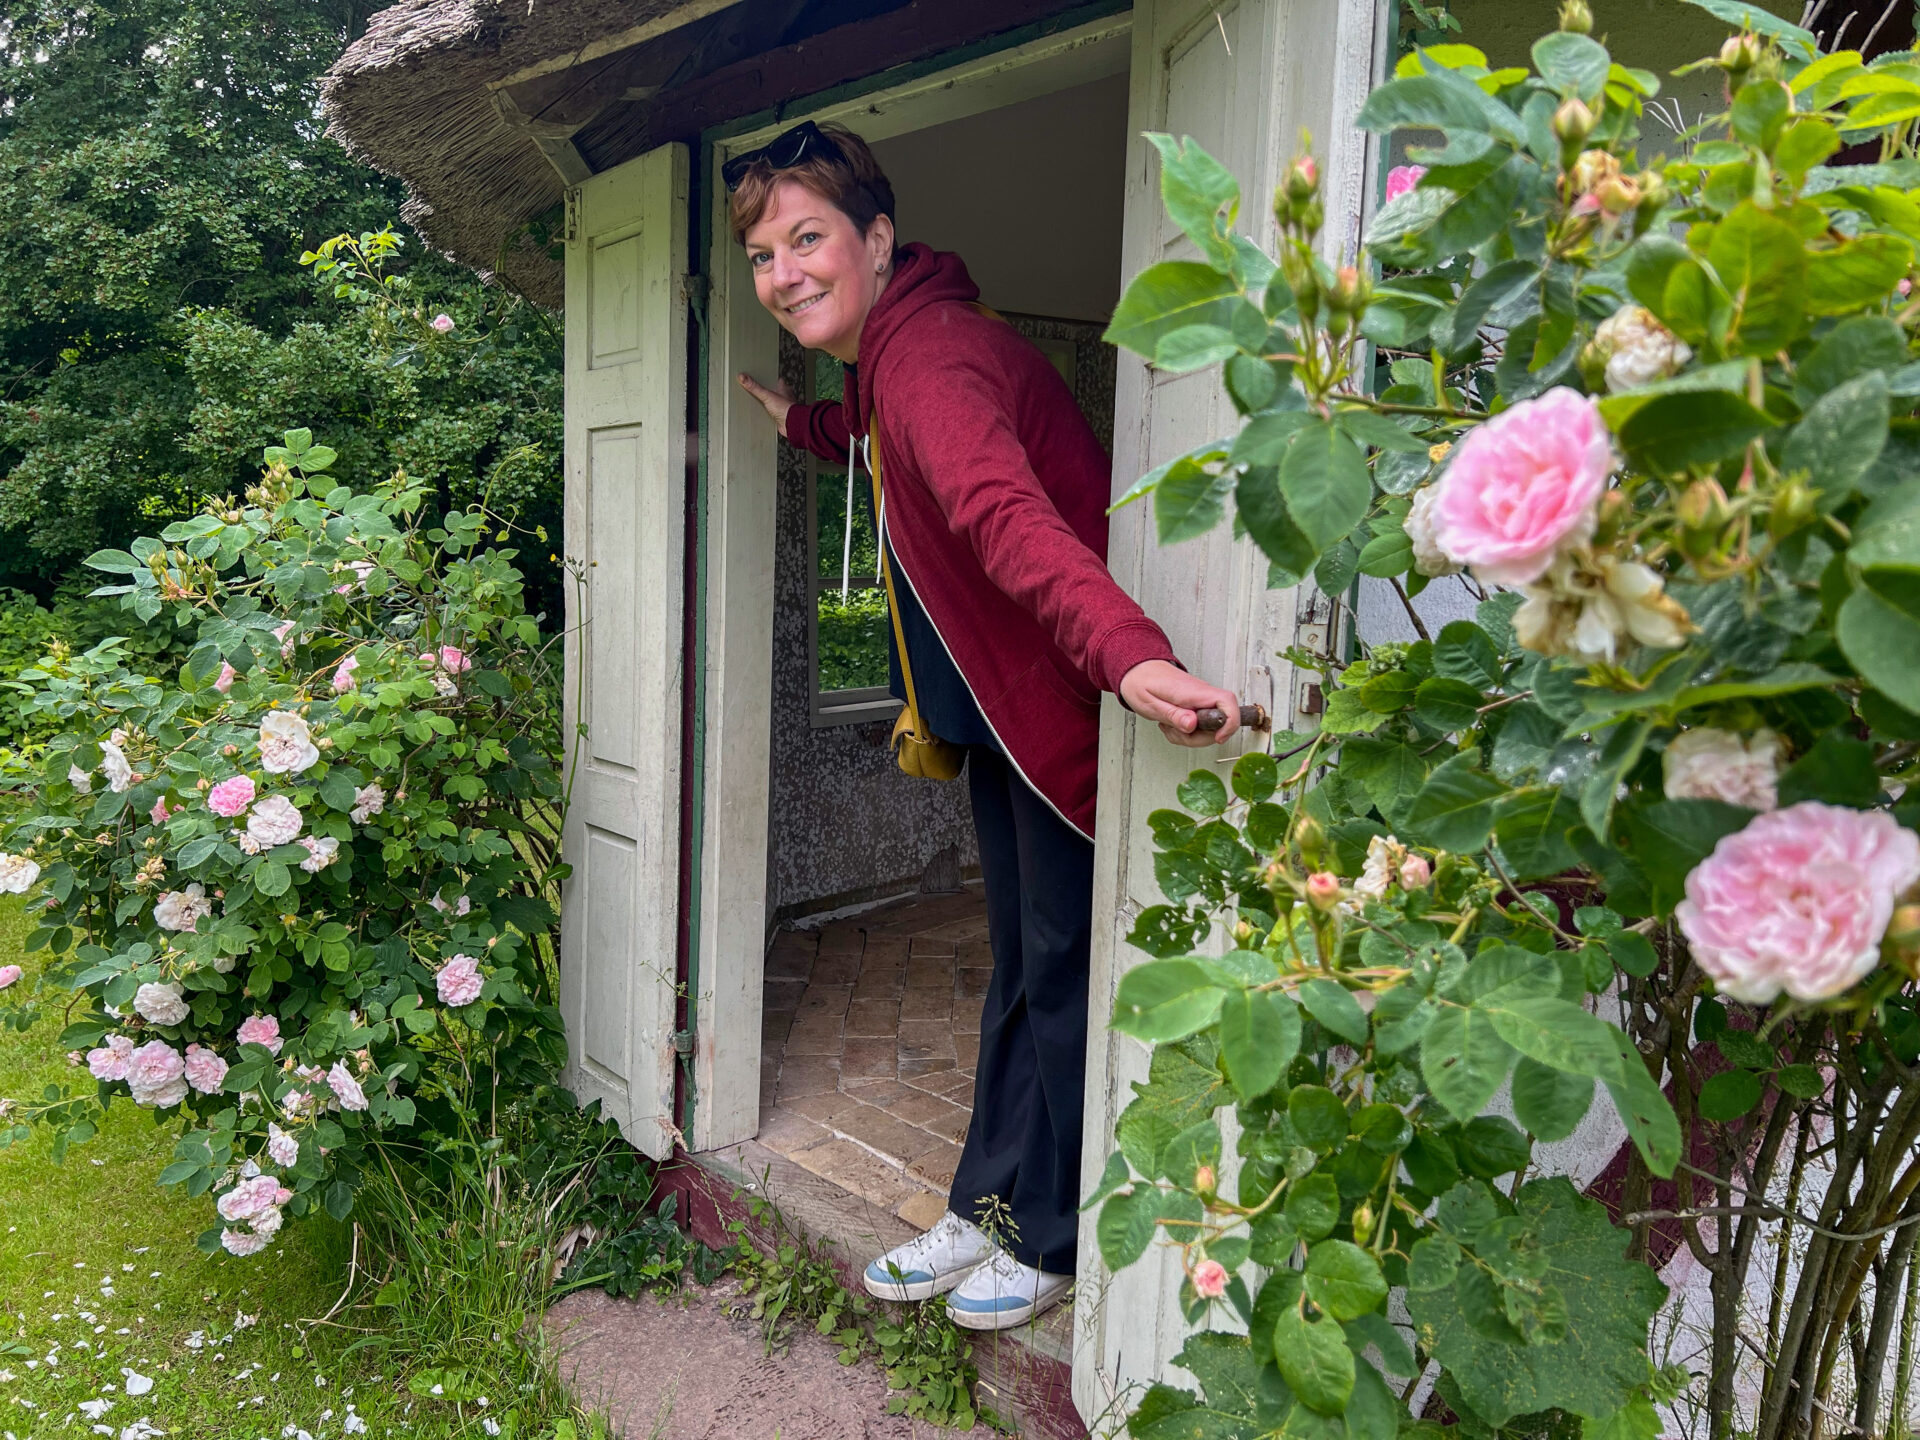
x=1241 y=77
x=625 y=512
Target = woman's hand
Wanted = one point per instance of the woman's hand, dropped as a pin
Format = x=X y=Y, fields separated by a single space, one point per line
x=777 y=401
x=1167 y=694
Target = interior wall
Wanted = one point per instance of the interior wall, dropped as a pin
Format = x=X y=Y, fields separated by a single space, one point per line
x=1031 y=196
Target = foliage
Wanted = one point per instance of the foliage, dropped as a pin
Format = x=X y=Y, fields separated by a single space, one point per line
x=161 y=168
x=1440 y=903
x=324 y=858
x=852 y=639
x=928 y=1362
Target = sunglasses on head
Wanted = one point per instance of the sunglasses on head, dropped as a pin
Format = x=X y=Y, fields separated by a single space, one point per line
x=783 y=152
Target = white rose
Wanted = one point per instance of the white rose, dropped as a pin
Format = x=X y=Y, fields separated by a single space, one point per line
x=17 y=874
x=80 y=779
x=320 y=853
x=1588 y=604
x=160 y=1004
x=1428 y=558
x=113 y=762
x=1384 y=854
x=273 y=821
x=286 y=745
x=1638 y=348
x=1709 y=764
x=368 y=801
x=182 y=909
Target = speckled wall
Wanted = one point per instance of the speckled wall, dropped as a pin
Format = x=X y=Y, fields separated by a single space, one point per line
x=845 y=824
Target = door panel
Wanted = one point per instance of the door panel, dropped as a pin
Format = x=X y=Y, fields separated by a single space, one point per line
x=625 y=444
x=1241 y=78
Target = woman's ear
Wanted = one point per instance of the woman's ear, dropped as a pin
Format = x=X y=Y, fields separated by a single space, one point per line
x=880 y=243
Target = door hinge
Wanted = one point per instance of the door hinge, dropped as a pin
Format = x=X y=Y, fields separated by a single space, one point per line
x=693 y=289
x=683 y=1042
x=570 y=225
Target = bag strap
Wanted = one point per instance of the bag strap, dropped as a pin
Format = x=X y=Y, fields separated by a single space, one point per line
x=886 y=571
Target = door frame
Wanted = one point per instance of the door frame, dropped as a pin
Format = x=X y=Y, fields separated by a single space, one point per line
x=733 y=667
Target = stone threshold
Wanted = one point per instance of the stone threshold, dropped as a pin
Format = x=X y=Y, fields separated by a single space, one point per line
x=1025 y=1374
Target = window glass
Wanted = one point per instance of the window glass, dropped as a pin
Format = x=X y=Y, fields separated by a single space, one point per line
x=850 y=603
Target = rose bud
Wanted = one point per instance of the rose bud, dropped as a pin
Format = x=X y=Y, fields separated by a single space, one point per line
x=1204 y=1181
x=1323 y=890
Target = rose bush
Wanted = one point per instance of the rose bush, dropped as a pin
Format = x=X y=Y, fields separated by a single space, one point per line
x=1643 y=826
x=301 y=918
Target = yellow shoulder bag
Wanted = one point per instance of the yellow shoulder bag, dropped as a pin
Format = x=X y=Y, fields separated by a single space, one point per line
x=916 y=748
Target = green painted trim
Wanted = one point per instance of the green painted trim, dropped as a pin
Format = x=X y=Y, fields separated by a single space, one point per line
x=696 y=266
x=914 y=70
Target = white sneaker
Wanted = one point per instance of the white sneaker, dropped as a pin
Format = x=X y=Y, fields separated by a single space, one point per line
x=1004 y=1293
x=929 y=1264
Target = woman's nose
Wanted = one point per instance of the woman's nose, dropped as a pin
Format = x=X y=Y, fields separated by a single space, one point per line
x=786 y=270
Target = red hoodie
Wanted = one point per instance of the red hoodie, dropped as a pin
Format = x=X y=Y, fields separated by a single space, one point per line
x=996 y=494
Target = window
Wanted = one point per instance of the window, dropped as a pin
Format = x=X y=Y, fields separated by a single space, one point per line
x=850 y=623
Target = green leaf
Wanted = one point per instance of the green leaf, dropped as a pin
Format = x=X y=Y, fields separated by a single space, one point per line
x=1634 y=954
x=1670 y=433
x=1669 y=837
x=1257 y=498
x=1168 y=297
x=1256 y=775
x=1318 y=1117
x=1760 y=262
x=1465 y=652
x=1189 y=501
x=1447 y=705
x=1573 y=64
x=1125 y=1227
x=1841 y=436
x=1644 y=1109
x=1344 y=1280
x=1259 y=1036
x=1314 y=1361
x=1598 y=1359
x=1464 y=1059
x=1760 y=111
x=1454 y=809
x=1203 y=792
x=1803 y=1082
x=1313 y=1205
x=1553 y=1031
x=1855 y=273
x=1432 y=1264
x=1367 y=427
x=272 y=879
x=1325 y=483
x=1550 y=1103
x=1532 y=827
x=114 y=562
x=1746 y=15
x=1438 y=100
x=1881 y=640
x=1166 y=999
x=1838 y=770
x=1200 y=194
x=1381 y=1333
x=1729 y=1095
x=1194 y=347
x=1333 y=1005
x=1390 y=772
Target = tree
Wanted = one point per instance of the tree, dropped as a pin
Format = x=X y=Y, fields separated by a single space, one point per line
x=162 y=167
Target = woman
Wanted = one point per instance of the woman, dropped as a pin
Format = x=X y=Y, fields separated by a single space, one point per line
x=994 y=496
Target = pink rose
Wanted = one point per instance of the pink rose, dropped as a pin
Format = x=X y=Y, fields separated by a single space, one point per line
x=459 y=981
x=160 y=812
x=230 y=797
x=343 y=677
x=249 y=1198
x=1210 y=1279
x=345 y=1088
x=205 y=1071
x=1415 y=872
x=242 y=1243
x=111 y=1060
x=260 y=1030
x=282 y=1148
x=1797 y=901
x=1402 y=179
x=9 y=974
x=1522 y=485
x=454 y=660
x=157 y=1075
x=1709 y=764
x=442 y=322
x=225 y=682
x=283 y=633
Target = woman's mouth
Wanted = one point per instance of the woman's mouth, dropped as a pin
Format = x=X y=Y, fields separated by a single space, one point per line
x=806 y=304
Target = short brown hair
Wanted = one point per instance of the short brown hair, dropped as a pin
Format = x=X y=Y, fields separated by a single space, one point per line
x=855 y=186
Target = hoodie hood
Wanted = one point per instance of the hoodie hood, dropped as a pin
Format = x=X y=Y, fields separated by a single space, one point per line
x=922 y=277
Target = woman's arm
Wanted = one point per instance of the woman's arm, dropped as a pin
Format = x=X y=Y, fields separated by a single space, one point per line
x=820 y=427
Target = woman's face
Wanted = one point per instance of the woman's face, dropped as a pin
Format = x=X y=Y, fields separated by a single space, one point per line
x=815 y=271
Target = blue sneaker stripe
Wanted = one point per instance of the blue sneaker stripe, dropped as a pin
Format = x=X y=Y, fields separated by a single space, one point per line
x=988 y=1304
x=880 y=1274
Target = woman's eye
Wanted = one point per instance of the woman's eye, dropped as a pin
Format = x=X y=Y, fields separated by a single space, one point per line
x=759 y=261
x=809 y=238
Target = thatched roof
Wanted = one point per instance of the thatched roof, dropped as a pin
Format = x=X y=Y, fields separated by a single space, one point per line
x=489 y=109
x=414 y=96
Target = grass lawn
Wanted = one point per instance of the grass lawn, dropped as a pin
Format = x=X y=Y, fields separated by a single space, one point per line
x=103 y=1298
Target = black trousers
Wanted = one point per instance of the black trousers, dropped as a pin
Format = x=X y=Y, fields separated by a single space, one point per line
x=1023 y=1144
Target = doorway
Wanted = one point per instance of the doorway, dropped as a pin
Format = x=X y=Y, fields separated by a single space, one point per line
x=878 y=960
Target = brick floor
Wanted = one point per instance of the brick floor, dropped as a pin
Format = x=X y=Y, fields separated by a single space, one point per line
x=872 y=1031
